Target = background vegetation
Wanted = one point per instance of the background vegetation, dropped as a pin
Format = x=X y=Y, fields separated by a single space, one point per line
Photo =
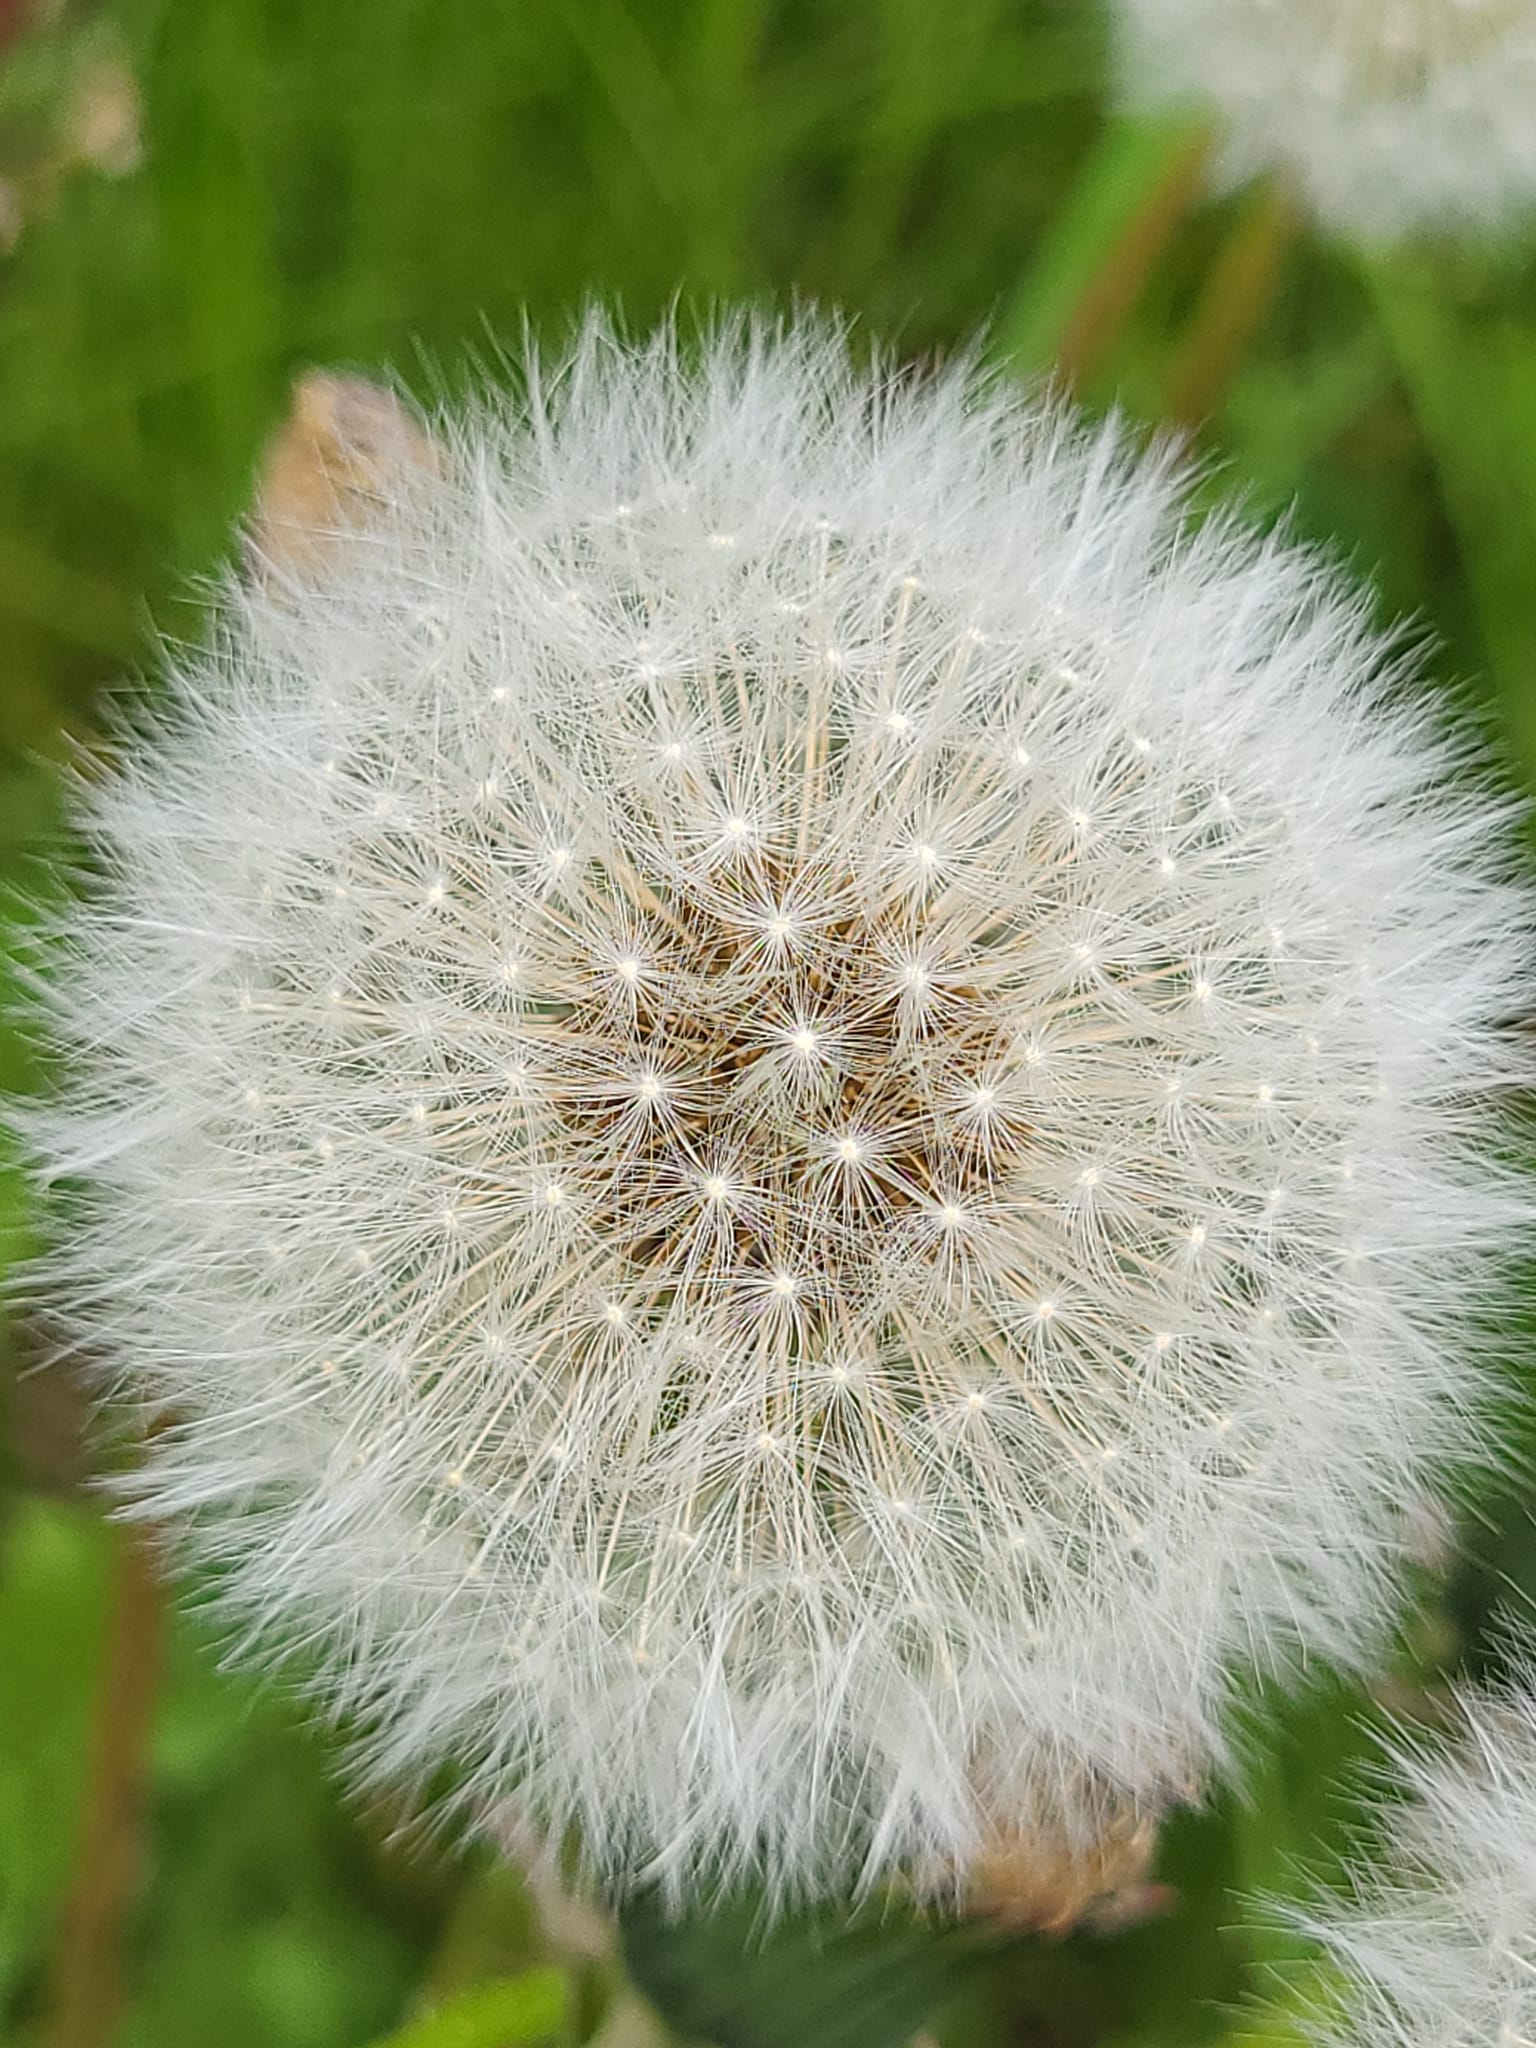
x=199 y=197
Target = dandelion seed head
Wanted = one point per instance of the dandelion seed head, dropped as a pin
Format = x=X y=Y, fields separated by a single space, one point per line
x=1389 y=115
x=768 y=1175
x=1435 y=1946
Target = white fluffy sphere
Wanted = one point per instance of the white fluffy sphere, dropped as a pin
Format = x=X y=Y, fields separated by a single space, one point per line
x=780 y=1104
x=1437 y=1947
x=1390 y=115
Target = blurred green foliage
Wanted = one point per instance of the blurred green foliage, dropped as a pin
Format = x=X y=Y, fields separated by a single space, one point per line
x=301 y=181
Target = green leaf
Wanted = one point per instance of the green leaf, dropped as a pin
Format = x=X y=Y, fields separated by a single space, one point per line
x=1284 y=414
x=814 y=1982
x=1471 y=377
x=1311 y=1997
x=53 y=1595
x=270 y=1917
x=529 y=2008
x=1127 y=197
x=1296 y=1809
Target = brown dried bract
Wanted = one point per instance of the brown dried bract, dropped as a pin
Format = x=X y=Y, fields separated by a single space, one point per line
x=1042 y=1881
x=326 y=471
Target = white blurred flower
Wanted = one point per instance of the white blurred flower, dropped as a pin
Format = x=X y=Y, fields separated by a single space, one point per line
x=1391 y=115
x=781 y=1104
x=1437 y=1947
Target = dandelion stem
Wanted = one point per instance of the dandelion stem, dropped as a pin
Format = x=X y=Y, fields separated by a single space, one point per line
x=631 y=2024
x=1103 y=308
x=1098 y=259
x=87 y=1988
x=1464 y=378
x=1237 y=298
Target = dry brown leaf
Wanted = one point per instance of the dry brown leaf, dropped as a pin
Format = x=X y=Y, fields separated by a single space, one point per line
x=327 y=470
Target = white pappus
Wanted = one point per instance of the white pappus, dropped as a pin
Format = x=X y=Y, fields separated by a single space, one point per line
x=1390 y=115
x=1436 y=1947
x=784 y=1107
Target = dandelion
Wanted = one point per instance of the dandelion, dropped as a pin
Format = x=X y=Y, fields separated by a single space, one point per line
x=1437 y=1946
x=791 y=1288
x=1390 y=115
